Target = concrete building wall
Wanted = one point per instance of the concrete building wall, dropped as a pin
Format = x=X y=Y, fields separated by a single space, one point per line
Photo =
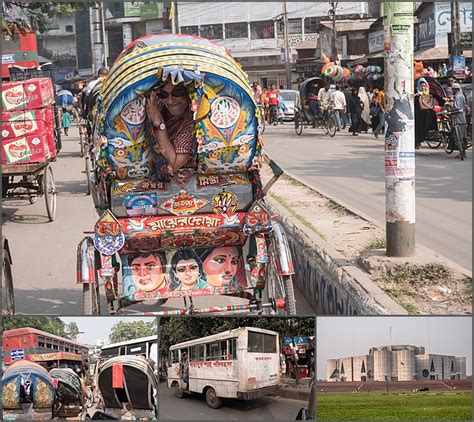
x=382 y=364
x=331 y=366
x=461 y=367
x=406 y=365
x=361 y=368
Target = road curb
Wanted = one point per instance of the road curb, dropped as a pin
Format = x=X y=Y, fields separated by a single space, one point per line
x=332 y=284
x=421 y=248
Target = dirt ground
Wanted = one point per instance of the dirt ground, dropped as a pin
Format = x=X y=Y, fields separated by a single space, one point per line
x=424 y=284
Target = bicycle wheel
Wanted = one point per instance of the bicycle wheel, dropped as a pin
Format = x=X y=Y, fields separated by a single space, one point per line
x=434 y=142
x=298 y=124
x=262 y=124
x=448 y=142
x=279 y=286
x=332 y=124
x=81 y=141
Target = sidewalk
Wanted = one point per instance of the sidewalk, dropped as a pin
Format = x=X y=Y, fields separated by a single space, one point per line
x=290 y=390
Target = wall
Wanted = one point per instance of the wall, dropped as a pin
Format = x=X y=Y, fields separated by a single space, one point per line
x=331 y=284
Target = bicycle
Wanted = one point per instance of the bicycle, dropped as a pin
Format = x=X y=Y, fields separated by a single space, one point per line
x=449 y=139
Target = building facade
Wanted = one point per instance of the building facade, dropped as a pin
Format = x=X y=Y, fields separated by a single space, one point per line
x=396 y=363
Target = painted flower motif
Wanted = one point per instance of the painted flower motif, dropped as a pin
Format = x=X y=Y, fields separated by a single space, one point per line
x=199 y=132
x=244 y=149
x=120 y=152
x=213 y=155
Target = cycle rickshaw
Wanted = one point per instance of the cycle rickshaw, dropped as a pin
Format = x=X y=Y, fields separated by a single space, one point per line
x=128 y=389
x=27 y=392
x=70 y=400
x=212 y=213
x=305 y=115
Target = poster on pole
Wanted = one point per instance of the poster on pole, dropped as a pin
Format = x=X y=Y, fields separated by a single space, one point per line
x=458 y=64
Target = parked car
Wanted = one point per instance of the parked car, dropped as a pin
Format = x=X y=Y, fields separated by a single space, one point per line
x=423 y=388
x=291 y=98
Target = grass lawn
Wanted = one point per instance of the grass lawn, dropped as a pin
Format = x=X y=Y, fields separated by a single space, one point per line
x=453 y=406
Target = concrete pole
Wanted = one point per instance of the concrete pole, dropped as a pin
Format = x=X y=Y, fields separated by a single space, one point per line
x=287 y=47
x=455 y=30
x=399 y=133
x=105 y=39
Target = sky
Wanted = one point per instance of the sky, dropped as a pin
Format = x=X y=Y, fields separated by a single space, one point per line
x=351 y=336
x=98 y=328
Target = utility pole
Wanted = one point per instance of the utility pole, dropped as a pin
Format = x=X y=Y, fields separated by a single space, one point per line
x=455 y=29
x=287 y=47
x=97 y=42
x=105 y=41
x=332 y=13
x=400 y=133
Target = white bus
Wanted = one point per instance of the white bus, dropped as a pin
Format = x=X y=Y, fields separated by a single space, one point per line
x=147 y=346
x=243 y=363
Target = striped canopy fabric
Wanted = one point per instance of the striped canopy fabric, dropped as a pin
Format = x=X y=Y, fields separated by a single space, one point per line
x=224 y=110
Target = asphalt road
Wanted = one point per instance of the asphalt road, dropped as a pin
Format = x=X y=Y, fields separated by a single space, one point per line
x=44 y=253
x=194 y=407
x=351 y=169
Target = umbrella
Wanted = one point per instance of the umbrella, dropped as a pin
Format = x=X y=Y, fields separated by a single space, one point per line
x=64 y=98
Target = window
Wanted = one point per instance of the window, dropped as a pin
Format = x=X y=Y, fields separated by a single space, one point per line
x=211 y=32
x=262 y=30
x=311 y=25
x=190 y=30
x=216 y=350
x=261 y=343
x=197 y=353
x=294 y=26
x=10 y=44
x=236 y=30
x=233 y=348
x=69 y=28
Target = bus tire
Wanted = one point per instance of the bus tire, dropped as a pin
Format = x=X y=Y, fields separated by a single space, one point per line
x=212 y=400
x=178 y=391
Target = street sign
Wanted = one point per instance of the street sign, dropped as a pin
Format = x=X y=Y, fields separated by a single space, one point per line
x=17 y=354
x=465 y=42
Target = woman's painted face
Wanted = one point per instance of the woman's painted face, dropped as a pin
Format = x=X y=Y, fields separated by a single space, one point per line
x=147 y=273
x=221 y=266
x=187 y=272
x=425 y=87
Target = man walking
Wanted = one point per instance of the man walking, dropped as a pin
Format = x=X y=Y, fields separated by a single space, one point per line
x=459 y=119
x=272 y=96
x=339 y=101
x=380 y=101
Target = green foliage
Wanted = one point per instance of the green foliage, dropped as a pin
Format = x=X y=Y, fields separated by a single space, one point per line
x=49 y=324
x=377 y=406
x=123 y=331
x=177 y=330
x=72 y=330
x=25 y=17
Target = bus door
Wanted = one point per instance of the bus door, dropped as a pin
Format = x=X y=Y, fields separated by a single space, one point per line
x=261 y=366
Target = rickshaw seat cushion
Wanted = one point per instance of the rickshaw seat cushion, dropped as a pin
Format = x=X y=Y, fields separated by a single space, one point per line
x=187 y=193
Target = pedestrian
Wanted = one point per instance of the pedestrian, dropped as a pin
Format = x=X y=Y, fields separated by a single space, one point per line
x=272 y=95
x=66 y=121
x=365 y=115
x=281 y=109
x=459 y=119
x=340 y=106
x=347 y=118
x=380 y=101
x=355 y=109
x=323 y=99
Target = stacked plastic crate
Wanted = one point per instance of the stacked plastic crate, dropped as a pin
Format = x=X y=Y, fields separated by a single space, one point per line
x=28 y=129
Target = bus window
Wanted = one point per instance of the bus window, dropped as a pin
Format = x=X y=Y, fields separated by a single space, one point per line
x=233 y=348
x=216 y=351
x=261 y=343
x=197 y=353
x=153 y=352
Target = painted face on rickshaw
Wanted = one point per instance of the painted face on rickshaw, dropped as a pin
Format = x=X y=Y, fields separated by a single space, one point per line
x=175 y=98
x=187 y=272
x=425 y=88
x=221 y=266
x=147 y=273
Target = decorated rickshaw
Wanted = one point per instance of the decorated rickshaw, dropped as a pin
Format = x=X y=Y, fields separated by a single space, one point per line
x=71 y=397
x=203 y=230
x=27 y=392
x=305 y=115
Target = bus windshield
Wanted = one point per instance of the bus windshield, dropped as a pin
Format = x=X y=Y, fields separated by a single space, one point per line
x=261 y=343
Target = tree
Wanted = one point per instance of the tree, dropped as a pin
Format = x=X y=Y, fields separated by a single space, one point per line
x=123 y=331
x=49 y=324
x=24 y=17
x=72 y=330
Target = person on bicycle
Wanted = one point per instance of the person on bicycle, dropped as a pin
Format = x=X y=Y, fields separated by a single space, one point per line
x=257 y=93
x=459 y=119
x=324 y=100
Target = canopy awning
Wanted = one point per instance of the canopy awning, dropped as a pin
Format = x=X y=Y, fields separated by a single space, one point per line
x=437 y=53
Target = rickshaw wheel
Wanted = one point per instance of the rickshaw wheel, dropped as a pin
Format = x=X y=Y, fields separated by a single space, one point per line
x=279 y=286
x=298 y=124
x=49 y=190
x=91 y=298
x=81 y=141
x=332 y=124
x=32 y=199
x=212 y=400
x=7 y=284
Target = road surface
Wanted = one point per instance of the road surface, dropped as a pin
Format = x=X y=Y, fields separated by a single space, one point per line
x=351 y=170
x=194 y=407
x=44 y=253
